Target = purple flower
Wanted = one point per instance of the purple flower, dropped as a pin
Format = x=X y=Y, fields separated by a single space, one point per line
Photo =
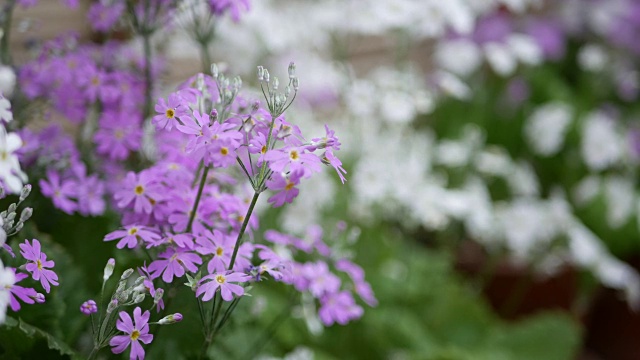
x=118 y=135
x=173 y=263
x=234 y=7
x=338 y=307
x=222 y=281
x=332 y=160
x=142 y=189
x=136 y=333
x=59 y=191
x=27 y=295
x=131 y=235
x=217 y=244
x=328 y=141
x=102 y=17
x=39 y=264
x=321 y=280
x=89 y=307
x=286 y=187
x=169 y=113
x=293 y=158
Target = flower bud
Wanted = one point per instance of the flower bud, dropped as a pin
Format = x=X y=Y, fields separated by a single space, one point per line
x=112 y=306
x=126 y=274
x=170 y=319
x=295 y=84
x=39 y=298
x=122 y=295
x=138 y=299
x=11 y=216
x=19 y=227
x=26 y=190
x=292 y=70
x=214 y=70
x=214 y=115
x=266 y=75
x=260 y=73
x=108 y=269
x=275 y=83
x=158 y=296
x=89 y=307
x=12 y=208
x=26 y=214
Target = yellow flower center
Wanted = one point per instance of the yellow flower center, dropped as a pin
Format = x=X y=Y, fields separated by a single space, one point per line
x=119 y=134
x=289 y=186
x=263 y=149
x=219 y=251
x=293 y=155
x=170 y=113
x=95 y=81
x=133 y=231
x=220 y=279
x=224 y=151
x=135 y=334
x=4 y=155
x=39 y=264
x=139 y=190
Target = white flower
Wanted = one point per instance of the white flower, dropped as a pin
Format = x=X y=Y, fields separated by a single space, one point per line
x=5 y=109
x=546 y=128
x=452 y=85
x=592 y=58
x=587 y=189
x=602 y=144
x=500 y=58
x=460 y=56
x=525 y=48
x=7 y=279
x=523 y=180
x=621 y=198
x=7 y=80
x=10 y=172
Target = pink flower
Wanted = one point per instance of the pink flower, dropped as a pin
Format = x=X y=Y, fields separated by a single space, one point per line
x=136 y=333
x=338 y=307
x=222 y=281
x=292 y=158
x=217 y=244
x=169 y=113
x=39 y=264
x=131 y=235
x=89 y=307
x=118 y=135
x=141 y=189
x=332 y=160
x=59 y=191
x=173 y=263
x=27 y=295
x=286 y=185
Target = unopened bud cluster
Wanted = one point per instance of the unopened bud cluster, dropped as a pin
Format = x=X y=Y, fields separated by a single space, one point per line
x=10 y=222
x=278 y=101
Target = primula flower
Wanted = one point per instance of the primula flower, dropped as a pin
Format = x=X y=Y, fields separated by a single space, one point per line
x=234 y=7
x=131 y=235
x=217 y=244
x=173 y=263
x=142 y=189
x=329 y=141
x=169 y=112
x=118 y=135
x=137 y=331
x=59 y=191
x=321 y=279
x=294 y=158
x=286 y=187
x=148 y=284
x=39 y=264
x=102 y=17
x=332 y=160
x=222 y=281
x=7 y=279
x=5 y=110
x=27 y=295
x=89 y=307
x=338 y=307
x=10 y=172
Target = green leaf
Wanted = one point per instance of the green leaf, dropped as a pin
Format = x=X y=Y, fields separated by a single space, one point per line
x=19 y=338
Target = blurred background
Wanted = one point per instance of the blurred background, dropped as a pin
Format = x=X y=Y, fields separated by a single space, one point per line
x=492 y=150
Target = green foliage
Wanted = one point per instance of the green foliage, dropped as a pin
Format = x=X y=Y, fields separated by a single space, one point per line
x=19 y=340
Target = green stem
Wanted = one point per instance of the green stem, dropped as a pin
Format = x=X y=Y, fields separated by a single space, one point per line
x=243 y=228
x=5 y=54
x=93 y=353
x=192 y=216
